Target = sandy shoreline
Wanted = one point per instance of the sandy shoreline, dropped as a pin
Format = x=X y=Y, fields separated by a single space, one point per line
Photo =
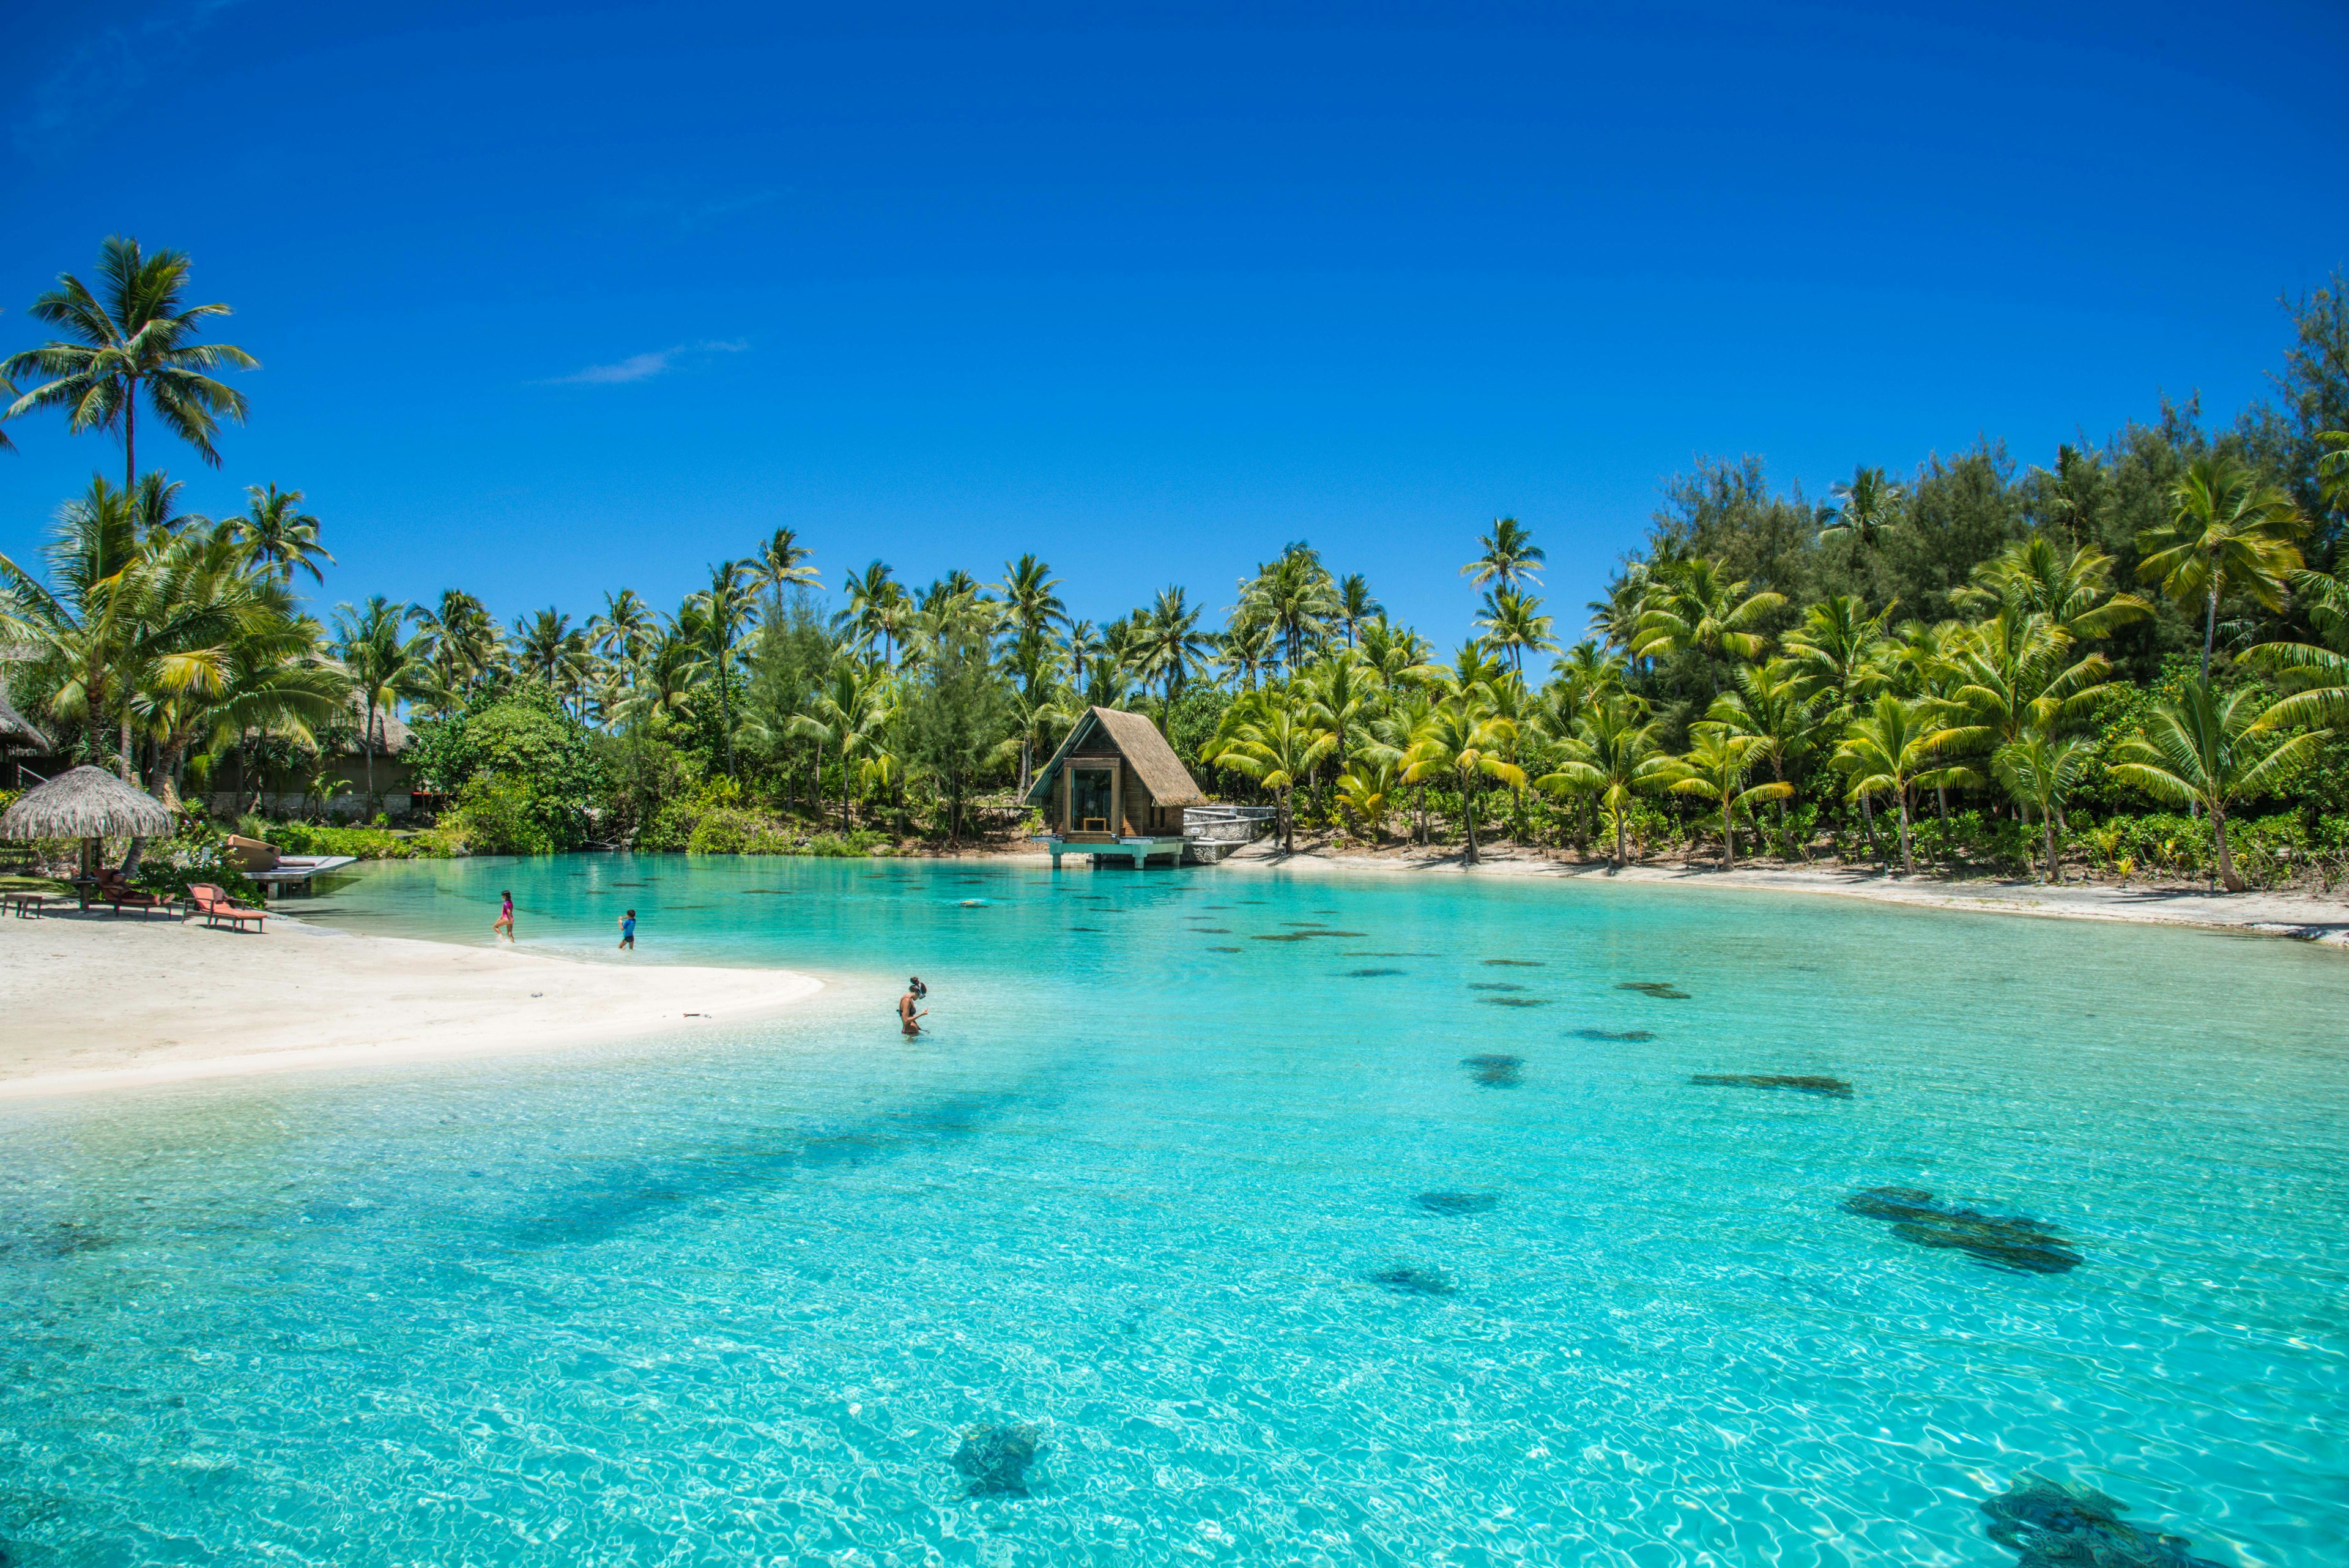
x=2295 y=915
x=105 y=1002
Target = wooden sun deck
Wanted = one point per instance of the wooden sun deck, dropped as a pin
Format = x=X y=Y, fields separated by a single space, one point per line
x=1105 y=846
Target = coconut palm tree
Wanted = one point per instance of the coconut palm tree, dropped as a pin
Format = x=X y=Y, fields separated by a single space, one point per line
x=1294 y=595
x=131 y=335
x=1514 y=625
x=726 y=607
x=1867 y=508
x=1692 y=606
x=1841 y=648
x=1613 y=756
x=1615 y=619
x=1509 y=557
x=2041 y=772
x=2074 y=497
x=845 y=716
x=2227 y=533
x=1278 y=744
x=1465 y=741
x=782 y=563
x=1168 y=643
x=877 y=608
x=1244 y=652
x=464 y=644
x=278 y=534
x=1027 y=590
x=385 y=667
x=1778 y=707
x=2069 y=585
x=2204 y=749
x=1714 y=770
x=1893 y=749
x=1355 y=604
x=1366 y=793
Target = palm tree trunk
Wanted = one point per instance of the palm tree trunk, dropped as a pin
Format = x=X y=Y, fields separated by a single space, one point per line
x=1728 y=839
x=367 y=749
x=1620 y=848
x=2227 y=872
x=2209 y=624
x=131 y=436
x=1907 y=860
x=1468 y=810
x=124 y=760
x=2047 y=837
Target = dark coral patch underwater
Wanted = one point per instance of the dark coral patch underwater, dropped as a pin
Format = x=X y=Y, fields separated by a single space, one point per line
x=1803 y=1082
x=2004 y=1241
x=1614 y=1033
x=1513 y=1001
x=1405 y=1281
x=1501 y=1071
x=1661 y=989
x=2051 y=1525
x=1370 y=974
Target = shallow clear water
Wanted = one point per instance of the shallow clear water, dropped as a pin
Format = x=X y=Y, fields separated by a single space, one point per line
x=736 y=1296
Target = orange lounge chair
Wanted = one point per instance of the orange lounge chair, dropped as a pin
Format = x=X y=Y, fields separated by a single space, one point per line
x=216 y=905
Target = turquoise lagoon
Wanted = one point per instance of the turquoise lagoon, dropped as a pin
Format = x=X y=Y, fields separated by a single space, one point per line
x=1154 y=1188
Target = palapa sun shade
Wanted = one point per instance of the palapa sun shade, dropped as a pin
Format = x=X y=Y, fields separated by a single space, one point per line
x=14 y=726
x=1145 y=750
x=87 y=802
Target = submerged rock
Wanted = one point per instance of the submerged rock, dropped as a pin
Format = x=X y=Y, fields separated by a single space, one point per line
x=1515 y=1001
x=1516 y=963
x=1211 y=930
x=996 y=1458
x=1456 y=1203
x=1497 y=1070
x=1369 y=973
x=1224 y=949
x=1616 y=1033
x=2051 y=1525
x=1656 y=988
x=1802 y=1083
x=1495 y=985
x=1406 y=1280
x=2005 y=1242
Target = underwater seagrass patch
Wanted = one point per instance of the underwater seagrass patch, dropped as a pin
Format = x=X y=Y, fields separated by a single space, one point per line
x=1614 y=1033
x=2050 y=1525
x=1802 y=1083
x=1499 y=1071
x=996 y=1458
x=2004 y=1241
x=1513 y=1001
x=1406 y=1280
x=1495 y=985
x=1656 y=988
x=1516 y=963
x=1369 y=973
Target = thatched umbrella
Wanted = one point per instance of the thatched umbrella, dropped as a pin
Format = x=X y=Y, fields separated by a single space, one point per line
x=88 y=803
x=14 y=726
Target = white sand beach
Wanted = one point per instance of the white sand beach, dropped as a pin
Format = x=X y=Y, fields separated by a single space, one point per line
x=2280 y=914
x=99 y=1002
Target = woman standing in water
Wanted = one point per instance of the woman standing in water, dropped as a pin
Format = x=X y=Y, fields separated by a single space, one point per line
x=504 y=923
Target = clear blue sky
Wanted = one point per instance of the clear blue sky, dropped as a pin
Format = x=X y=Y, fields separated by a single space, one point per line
x=551 y=301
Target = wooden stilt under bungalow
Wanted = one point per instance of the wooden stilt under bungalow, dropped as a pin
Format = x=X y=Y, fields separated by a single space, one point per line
x=1115 y=790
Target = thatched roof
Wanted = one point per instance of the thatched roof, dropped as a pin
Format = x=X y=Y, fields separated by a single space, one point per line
x=1136 y=739
x=87 y=802
x=14 y=726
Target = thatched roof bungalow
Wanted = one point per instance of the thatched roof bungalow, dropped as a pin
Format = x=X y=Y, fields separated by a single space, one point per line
x=1115 y=788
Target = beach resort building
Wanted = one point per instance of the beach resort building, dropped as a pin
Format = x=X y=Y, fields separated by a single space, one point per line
x=1115 y=790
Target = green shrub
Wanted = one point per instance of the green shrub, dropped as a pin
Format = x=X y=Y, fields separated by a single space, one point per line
x=864 y=841
x=500 y=815
x=198 y=853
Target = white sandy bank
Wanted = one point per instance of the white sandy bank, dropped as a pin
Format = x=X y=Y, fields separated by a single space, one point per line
x=100 y=1001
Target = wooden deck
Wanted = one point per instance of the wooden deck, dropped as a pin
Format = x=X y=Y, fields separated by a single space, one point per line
x=1141 y=851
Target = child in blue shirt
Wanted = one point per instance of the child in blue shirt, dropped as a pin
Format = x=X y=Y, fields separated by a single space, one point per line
x=628 y=930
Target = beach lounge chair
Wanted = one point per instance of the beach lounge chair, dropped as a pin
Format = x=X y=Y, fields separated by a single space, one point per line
x=216 y=905
x=112 y=889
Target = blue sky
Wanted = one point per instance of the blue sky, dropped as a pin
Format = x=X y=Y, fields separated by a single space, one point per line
x=551 y=301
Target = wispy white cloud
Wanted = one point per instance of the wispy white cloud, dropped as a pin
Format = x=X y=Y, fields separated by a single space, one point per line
x=641 y=367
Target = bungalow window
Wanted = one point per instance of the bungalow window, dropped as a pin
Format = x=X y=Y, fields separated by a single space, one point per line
x=1090 y=799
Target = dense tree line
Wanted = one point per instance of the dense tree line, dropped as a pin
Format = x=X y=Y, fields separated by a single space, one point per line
x=1971 y=660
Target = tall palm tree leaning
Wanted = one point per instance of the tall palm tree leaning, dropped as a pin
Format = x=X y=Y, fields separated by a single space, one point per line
x=726 y=605
x=2206 y=749
x=132 y=334
x=2227 y=532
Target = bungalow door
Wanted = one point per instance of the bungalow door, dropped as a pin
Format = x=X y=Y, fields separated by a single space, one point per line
x=1092 y=799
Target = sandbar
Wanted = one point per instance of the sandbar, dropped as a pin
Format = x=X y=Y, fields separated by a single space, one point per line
x=102 y=1002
